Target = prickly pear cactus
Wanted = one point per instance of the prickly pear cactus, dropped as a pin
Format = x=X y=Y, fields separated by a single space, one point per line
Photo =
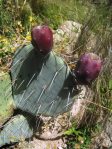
x=17 y=129
x=6 y=100
x=42 y=85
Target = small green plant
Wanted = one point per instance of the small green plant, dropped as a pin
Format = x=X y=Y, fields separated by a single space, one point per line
x=78 y=137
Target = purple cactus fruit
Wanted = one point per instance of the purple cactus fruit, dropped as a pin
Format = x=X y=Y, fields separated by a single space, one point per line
x=42 y=39
x=88 y=68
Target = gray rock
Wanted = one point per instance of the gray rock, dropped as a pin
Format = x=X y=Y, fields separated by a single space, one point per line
x=65 y=37
x=104 y=139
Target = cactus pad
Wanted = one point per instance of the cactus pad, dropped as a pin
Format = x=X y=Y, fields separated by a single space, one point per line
x=17 y=129
x=6 y=107
x=42 y=84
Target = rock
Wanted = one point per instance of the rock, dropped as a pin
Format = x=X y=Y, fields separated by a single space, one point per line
x=65 y=38
x=40 y=144
x=69 y=29
x=104 y=139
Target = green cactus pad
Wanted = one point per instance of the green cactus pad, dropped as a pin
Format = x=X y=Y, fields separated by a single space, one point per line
x=17 y=129
x=6 y=106
x=43 y=85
